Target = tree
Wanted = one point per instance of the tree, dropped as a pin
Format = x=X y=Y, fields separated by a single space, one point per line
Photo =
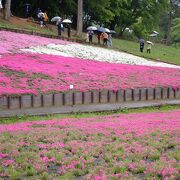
x=175 y=35
x=80 y=18
x=128 y=13
x=7 y=13
x=98 y=12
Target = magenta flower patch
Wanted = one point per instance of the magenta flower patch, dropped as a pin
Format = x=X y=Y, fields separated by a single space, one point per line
x=11 y=42
x=35 y=73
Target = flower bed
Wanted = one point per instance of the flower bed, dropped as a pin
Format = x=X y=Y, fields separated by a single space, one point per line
x=11 y=42
x=34 y=73
x=95 y=53
x=105 y=147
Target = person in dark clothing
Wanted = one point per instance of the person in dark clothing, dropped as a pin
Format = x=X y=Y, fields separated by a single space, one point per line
x=27 y=8
x=69 y=30
x=99 y=38
x=59 y=27
x=90 y=35
x=141 y=43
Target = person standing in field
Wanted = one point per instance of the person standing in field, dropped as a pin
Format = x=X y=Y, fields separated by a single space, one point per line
x=141 y=43
x=99 y=37
x=69 y=30
x=46 y=19
x=90 y=35
x=105 y=38
x=109 y=40
x=149 y=48
x=59 y=27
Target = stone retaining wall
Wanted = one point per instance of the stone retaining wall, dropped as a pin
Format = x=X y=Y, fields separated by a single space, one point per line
x=12 y=104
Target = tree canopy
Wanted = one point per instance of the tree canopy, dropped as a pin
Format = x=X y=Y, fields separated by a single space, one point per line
x=141 y=16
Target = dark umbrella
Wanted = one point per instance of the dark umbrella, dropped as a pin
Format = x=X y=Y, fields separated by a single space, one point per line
x=141 y=40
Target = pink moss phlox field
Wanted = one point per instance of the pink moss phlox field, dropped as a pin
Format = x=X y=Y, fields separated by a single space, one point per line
x=119 y=146
x=11 y=42
x=120 y=124
x=35 y=73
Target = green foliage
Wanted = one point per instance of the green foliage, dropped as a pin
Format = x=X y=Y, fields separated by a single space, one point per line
x=128 y=13
x=176 y=30
x=114 y=14
x=45 y=176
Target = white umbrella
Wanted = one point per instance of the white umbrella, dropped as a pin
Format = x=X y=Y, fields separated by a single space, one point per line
x=149 y=42
x=92 y=28
x=155 y=32
x=112 y=32
x=153 y=35
x=56 y=18
x=107 y=30
x=40 y=14
x=67 y=21
x=101 y=29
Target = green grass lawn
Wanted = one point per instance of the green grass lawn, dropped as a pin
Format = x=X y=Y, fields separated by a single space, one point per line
x=162 y=52
x=30 y=27
x=22 y=118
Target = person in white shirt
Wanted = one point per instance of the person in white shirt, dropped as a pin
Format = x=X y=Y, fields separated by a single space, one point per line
x=149 y=48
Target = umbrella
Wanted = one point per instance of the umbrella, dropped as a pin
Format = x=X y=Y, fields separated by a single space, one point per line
x=56 y=18
x=149 y=42
x=67 y=21
x=155 y=32
x=141 y=40
x=40 y=14
x=153 y=35
x=101 y=29
x=92 y=28
x=107 y=30
x=112 y=32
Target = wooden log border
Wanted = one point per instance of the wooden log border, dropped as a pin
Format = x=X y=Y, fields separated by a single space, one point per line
x=98 y=97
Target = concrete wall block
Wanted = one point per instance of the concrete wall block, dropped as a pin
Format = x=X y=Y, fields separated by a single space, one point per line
x=87 y=97
x=171 y=93
x=150 y=94
x=112 y=96
x=164 y=93
x=78 y=98
x=47 y=100
x=128 y=95
x=136 y=94
x=58 y=99
x=120 y=95
x=178 y=93
x=26 y=101
x=37 y=100
x=14 y=102
x=158 y=93
x=96 y=96
x=68 y=99
x=143 y=94
x=104 y=96
x=3 y=102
